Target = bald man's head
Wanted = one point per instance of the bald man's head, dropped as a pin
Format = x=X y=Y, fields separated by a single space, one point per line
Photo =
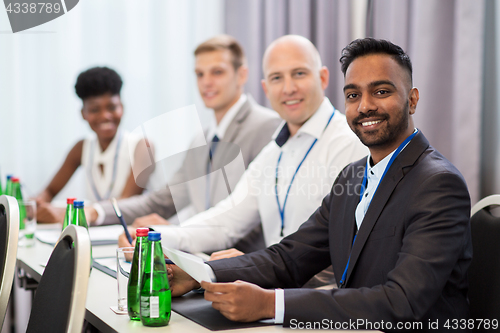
x=294 y=80
x=297 y=41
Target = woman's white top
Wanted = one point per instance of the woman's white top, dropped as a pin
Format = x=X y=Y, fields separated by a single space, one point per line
x=116 y=161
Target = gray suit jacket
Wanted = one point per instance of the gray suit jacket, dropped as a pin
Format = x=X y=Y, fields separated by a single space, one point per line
x=410 y=258
x=250 y=130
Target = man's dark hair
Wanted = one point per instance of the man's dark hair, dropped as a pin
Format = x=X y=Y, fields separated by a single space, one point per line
x=98 y=81
x=367 y=46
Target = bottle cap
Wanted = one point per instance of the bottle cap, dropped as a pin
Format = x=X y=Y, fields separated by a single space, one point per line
x=142 y=232
x=78 y=204
x=70 y=201
x=9 y=177
x=15 y=179
x=154 y=236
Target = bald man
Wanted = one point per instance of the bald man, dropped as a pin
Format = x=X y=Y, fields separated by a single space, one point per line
x=286 y=182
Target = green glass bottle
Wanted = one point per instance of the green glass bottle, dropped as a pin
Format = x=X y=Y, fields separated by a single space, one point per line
x=79 y=215
x=156 y=297
x=135 y=278
x=8 y=185
x=16 y=193
x=68 y=217
x=79 y=219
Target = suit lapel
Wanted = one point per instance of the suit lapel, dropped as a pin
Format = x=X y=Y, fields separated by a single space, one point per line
x=351 y=209
x=395 y=174
x=234 y=126
x=345 y=234
x=231 y=133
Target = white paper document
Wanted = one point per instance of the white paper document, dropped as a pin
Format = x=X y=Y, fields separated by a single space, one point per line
x=105 y=234
x=189 y=263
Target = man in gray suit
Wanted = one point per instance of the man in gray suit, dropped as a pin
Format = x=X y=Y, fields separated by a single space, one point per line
x=243 y=128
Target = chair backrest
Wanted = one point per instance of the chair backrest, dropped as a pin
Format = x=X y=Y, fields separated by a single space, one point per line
x=59 y=303
x=484 y=271
x=9 y=233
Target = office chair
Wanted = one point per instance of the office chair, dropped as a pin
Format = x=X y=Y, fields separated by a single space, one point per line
x=59 y=303
x=484 y=271
x=9 y=233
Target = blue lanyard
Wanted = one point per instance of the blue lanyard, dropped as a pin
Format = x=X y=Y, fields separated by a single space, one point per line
x=113 y=177
x=363 y=186
x=393 y=157
x=282 y=209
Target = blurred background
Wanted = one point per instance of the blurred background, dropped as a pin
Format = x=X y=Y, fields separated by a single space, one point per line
x=453 y=45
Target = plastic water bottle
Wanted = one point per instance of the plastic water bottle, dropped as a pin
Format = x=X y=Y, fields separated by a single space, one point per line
x=156 y=297
x=136 y=272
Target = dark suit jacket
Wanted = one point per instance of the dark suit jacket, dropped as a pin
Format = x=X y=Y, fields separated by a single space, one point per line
x=411 y=254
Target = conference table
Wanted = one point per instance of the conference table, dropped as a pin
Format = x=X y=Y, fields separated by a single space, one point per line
x=102 y=294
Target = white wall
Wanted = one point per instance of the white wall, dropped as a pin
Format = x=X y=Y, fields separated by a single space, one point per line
x=149 y=43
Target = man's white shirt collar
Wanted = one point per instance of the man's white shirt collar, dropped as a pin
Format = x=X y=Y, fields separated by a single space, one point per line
x=378 y=169
x=314 y=126
x=221 y=128
x=374 y=175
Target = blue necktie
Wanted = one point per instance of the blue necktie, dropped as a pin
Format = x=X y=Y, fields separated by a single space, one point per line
x=213 y=146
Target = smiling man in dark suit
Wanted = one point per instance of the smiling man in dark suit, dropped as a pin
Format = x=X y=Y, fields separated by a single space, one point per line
x=395 y=226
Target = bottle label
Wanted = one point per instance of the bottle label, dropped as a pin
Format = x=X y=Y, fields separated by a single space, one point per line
x=144 y=306
x=154 y=307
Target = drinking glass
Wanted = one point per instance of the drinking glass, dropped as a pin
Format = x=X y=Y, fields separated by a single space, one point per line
x=123 y=264
x=27 y=214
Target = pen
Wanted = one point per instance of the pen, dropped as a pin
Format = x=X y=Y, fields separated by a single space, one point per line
x=120 y=217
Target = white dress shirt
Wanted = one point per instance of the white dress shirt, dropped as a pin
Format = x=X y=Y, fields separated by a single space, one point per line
x=374 y=175
x=223 y=225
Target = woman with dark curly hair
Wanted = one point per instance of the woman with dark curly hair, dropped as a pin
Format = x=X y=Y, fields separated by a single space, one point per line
x=104 y=154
